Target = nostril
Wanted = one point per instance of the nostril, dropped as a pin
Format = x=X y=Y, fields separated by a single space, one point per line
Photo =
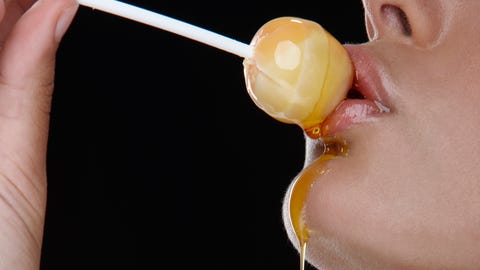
x=397 y=18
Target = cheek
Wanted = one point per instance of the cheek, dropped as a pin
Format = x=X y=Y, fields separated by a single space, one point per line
x=440 y=112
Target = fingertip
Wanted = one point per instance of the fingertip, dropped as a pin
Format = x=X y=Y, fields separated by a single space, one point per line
x=65 y=20
x=30 y=48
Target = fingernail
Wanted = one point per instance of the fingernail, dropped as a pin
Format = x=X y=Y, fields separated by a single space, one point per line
x=64 y=22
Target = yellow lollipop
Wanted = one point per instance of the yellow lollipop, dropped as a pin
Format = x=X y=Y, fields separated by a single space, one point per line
x=294 y=70
x=298 y=72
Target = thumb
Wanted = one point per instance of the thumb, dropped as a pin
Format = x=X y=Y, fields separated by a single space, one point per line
x=28 y=54
x=27 y=65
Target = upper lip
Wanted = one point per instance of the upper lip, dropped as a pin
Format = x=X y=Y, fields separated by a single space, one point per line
x=368 y=81
x=367 y=74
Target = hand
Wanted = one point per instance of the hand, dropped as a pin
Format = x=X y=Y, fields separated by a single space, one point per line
x=30 y=32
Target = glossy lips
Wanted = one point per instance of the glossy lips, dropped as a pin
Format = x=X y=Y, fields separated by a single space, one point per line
x=368 y=82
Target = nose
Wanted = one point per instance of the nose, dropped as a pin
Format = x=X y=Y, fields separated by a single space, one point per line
x=417 y=22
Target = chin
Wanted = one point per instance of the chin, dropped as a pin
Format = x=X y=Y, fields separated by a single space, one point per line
x=377 y=209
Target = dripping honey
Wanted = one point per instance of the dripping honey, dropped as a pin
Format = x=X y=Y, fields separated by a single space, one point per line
x=333 y=146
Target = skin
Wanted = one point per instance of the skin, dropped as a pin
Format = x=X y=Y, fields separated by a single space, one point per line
x=406 y=197
x=408 y=194
x=29 y=38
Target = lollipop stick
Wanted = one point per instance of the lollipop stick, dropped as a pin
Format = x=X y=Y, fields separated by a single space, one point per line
x=172 y=25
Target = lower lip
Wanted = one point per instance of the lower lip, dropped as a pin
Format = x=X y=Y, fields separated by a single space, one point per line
x=349 y=113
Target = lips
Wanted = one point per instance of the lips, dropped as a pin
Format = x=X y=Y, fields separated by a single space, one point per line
x=367 y=101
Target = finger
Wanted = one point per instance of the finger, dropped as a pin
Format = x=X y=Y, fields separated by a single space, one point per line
x=12 y=11
x=28 y=54
x=27 y=62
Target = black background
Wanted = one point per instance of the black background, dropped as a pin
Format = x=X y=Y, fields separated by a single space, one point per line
x=157 y=157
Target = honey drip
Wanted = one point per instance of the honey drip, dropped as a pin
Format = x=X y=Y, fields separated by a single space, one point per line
x=314 y=132
x=333 y=146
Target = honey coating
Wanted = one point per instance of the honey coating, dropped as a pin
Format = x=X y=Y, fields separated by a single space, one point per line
x=333 y=147
x=298 y=73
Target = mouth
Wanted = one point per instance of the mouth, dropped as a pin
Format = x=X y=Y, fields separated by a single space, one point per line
x=366 y=101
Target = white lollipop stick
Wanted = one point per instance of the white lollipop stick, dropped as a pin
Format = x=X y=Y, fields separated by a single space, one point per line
x=172 y=25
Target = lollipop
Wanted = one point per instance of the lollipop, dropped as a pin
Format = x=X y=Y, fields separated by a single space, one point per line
x=294 y=70
x=298 y=72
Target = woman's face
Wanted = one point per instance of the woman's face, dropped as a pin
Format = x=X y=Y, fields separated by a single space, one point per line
x=407 y=196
